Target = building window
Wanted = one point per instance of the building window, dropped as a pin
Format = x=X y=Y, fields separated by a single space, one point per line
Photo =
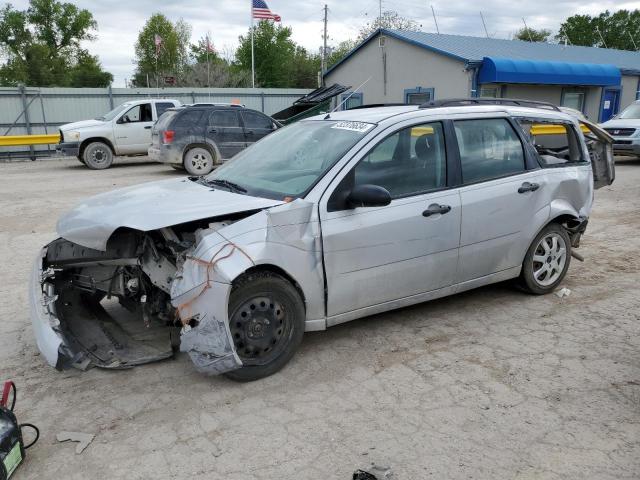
x=573 y=98
x=491 y=91
x=418 y=95
x=352 y=100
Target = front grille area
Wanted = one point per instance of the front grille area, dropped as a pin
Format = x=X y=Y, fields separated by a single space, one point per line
x=621 y=132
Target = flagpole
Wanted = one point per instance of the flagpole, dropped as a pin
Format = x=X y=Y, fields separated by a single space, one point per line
x=253 y=59
x=208 y=78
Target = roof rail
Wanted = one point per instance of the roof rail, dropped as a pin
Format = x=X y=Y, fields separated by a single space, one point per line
x=377 y=105
x=465 y=102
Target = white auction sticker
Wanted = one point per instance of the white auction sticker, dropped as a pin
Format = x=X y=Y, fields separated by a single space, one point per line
x=354 y=126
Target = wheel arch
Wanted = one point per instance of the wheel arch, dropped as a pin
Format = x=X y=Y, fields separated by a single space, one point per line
x=106 y=141
x=268 y=267
x=213 y=149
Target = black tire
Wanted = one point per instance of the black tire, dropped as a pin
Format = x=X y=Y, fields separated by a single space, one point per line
x=97 y=156
x=80 y=159
x=550 y=279
x=267 y=321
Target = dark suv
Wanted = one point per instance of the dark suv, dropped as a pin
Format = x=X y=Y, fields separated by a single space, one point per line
x=199 y=137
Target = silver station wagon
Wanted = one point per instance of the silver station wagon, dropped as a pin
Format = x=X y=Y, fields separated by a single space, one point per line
x=330 y=219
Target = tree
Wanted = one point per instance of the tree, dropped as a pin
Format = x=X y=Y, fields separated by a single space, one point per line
x=532 y=35
x=280 y=63
x=169 y=58
x=41 y=46
x=208 y=69
x=339 y=52
x=620 y=30
x=390 y=20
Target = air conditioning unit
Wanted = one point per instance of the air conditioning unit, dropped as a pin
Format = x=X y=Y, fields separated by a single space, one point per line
x=381 y=40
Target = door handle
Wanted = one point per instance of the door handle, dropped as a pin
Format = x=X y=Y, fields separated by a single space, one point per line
x=148 y=128
x=528 y=187
x=213 y=130
x=249 y=132
x=434 y=209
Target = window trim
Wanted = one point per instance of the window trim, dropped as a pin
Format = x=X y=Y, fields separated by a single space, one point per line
x=530 y=162
x=418 y=89
x=584 y=92
x=345 y=95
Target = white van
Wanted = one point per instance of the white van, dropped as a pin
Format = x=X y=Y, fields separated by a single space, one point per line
x=125 y=130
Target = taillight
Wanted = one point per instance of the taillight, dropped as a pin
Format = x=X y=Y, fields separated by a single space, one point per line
x=167 y=136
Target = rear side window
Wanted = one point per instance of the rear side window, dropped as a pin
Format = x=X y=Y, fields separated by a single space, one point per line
x=224 y=118
x=188 y=119
x=489 y=148
x=557 y=144
x=163 y=107
x=165 y=120
x=256 y=120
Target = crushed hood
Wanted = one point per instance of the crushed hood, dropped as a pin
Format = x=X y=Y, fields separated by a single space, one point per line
x=151 y=206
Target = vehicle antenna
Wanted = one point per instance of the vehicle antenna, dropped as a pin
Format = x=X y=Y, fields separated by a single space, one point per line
x=350 y=95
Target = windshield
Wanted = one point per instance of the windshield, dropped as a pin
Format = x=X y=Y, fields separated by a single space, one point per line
x=288 y=162
x=631 y=112
x=113 y=113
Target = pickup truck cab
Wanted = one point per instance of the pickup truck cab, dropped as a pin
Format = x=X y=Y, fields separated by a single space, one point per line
x=125 y=130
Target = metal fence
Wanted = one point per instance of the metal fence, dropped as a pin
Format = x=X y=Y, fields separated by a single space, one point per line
x=38 y=111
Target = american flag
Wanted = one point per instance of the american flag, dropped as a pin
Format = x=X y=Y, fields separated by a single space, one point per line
x=261 y=10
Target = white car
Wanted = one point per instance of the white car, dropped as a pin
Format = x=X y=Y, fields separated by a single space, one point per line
x=125 y=130
x=625 y=130
x=327 y=220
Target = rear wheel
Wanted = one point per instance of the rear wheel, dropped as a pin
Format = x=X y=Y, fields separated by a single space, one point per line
x=198 y=161
x=547 y=260
x=266 y=320
x=97 y=156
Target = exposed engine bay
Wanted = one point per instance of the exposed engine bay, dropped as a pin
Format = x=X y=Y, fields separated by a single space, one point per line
x=114 y=307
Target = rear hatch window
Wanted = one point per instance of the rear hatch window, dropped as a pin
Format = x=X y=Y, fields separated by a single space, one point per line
x=163 y=122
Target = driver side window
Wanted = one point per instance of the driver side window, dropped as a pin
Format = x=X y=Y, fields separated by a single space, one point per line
x=408 y=162
x=139 y=113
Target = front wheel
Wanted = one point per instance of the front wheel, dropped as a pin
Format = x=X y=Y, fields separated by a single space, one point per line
x=97 y=156
x=198 y=161
x=547 y=260
x=266 y=320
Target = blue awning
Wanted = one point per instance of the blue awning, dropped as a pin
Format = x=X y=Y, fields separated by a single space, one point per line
x=508 y=70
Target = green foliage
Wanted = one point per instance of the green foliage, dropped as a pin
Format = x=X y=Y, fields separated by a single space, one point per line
x=279 y=62
x=620 y=30
x=528 y=34
x=41 y=46
x=173 y=54
x=341 y=51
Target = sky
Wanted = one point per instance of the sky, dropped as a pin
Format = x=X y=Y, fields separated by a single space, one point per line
x=119 y=21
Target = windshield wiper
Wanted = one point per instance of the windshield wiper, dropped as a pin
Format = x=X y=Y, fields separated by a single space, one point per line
x=230 y=185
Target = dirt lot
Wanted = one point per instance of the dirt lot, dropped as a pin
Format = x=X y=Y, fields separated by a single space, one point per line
x=489 y=384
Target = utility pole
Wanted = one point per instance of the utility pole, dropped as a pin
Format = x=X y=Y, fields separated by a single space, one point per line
x=380 y=13
x=324 y=43
x=484 y=24
x=435 y=20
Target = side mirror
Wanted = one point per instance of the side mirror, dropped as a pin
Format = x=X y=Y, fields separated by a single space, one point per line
x=368 y=196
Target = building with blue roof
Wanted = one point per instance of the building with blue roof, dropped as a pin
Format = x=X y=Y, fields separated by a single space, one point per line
x=399 y=66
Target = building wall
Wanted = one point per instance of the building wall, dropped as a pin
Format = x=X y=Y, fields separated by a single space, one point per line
x=629 y=90
x=408 y=66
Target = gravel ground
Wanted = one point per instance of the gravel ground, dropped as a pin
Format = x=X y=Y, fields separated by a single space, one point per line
x=488 y=384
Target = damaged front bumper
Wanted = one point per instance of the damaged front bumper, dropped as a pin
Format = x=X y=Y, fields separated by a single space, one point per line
x=46 y=325
x=76 y=328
